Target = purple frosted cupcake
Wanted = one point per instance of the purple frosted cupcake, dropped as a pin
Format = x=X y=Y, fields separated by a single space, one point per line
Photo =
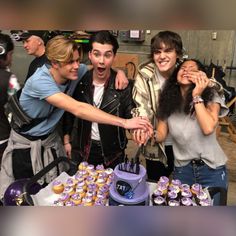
x=186 y=193
x=173 y=203
x=202 y=195
x=172 y=195
x=162 y=188
x=159 y=201
x=196 y=188
x=176 y=182
x=184 y=187
x=64 y=197
x=69 y=203
x=185 y=201
x=164 y=180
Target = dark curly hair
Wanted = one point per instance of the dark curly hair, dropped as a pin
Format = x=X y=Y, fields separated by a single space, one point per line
x=171 y=100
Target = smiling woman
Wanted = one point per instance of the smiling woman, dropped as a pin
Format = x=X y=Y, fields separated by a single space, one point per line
x=189 y=111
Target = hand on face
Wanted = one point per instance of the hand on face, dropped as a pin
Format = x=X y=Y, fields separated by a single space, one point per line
x=200 y=80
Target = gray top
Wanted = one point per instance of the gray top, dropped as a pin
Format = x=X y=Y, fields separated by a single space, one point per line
x=189 y=142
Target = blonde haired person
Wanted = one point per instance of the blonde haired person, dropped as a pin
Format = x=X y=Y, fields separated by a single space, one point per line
x=46 y=95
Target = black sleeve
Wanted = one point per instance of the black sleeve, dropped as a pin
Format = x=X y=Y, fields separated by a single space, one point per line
x=127 y=101
x=68 y=122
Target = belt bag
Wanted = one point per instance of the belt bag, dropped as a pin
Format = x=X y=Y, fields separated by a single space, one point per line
x=20 y=120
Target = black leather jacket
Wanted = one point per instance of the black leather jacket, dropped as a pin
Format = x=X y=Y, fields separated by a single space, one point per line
x=116 y=102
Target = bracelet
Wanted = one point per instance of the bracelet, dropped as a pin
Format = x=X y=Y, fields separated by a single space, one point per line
x=197 y=99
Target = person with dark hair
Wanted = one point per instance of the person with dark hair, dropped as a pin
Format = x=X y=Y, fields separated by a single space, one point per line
x=8 y=86
x=189 y=108
x=44 y=98
x=100 y=143
x=166 y=52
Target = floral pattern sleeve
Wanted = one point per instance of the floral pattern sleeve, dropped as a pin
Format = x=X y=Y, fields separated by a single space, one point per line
x=14 y=85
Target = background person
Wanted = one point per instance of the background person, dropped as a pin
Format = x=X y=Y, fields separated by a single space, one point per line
x=8 y=86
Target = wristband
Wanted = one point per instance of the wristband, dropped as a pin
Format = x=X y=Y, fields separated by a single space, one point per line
x=197 y=99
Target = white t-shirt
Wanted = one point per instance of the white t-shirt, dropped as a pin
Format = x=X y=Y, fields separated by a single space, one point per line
x=97 y=100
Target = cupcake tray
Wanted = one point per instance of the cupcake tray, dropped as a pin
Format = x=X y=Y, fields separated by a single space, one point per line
x=43 y=197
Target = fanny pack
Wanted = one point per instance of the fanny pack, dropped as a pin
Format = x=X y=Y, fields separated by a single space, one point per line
x=20 y=121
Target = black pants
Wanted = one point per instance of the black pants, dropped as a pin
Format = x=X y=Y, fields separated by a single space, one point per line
x=22 y=165
x=2 y=149
x=156 y=169
x=96 y=157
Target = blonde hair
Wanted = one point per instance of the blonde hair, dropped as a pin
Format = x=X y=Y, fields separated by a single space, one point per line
x=60 y=49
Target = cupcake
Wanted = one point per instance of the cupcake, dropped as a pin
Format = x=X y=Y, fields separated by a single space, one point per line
x=100 y=182
x=202 y=195
x=186 y=193
x=83 y=165
x=68 y=189
x=175 y=182
x=90 y=180
x=79 y=177
x=80 y=191
x=184 y=187
x=91 y=194
x=87 y=201
x=90 y=167
x=69 y=203
x=64 y=197
x=57 y=187
x=109 y=171
x=71 y=182
x=164 y=180
x=159 y=201
x=156 y=193
x=173 y=203
x=196 y=188
x=171 y=195
x=162 y=188
x=100 y=168
x=185 y=201
x=99 y=202
x=92 y=186
x=76 y=198
x=82 y=184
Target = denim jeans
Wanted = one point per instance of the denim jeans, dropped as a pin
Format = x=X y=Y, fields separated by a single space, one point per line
x=204 y=175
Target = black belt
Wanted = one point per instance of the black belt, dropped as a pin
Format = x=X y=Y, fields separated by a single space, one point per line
x=33 y=138
x=197 y=162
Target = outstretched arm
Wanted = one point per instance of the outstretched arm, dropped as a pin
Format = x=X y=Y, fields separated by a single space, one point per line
x=88 y=112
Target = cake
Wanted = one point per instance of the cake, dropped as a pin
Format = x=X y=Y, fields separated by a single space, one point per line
x=129 y=185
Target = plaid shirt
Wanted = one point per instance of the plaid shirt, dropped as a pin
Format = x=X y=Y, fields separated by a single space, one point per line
x=145 y=92
x=145 y=95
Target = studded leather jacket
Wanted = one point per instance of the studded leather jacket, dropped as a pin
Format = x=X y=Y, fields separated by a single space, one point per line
x=116 y=102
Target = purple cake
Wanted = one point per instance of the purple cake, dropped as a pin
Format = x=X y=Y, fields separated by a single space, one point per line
x=129 y=188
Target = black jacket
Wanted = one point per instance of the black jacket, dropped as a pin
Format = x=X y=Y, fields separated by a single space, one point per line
x=116 y=102
x=4 y=84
